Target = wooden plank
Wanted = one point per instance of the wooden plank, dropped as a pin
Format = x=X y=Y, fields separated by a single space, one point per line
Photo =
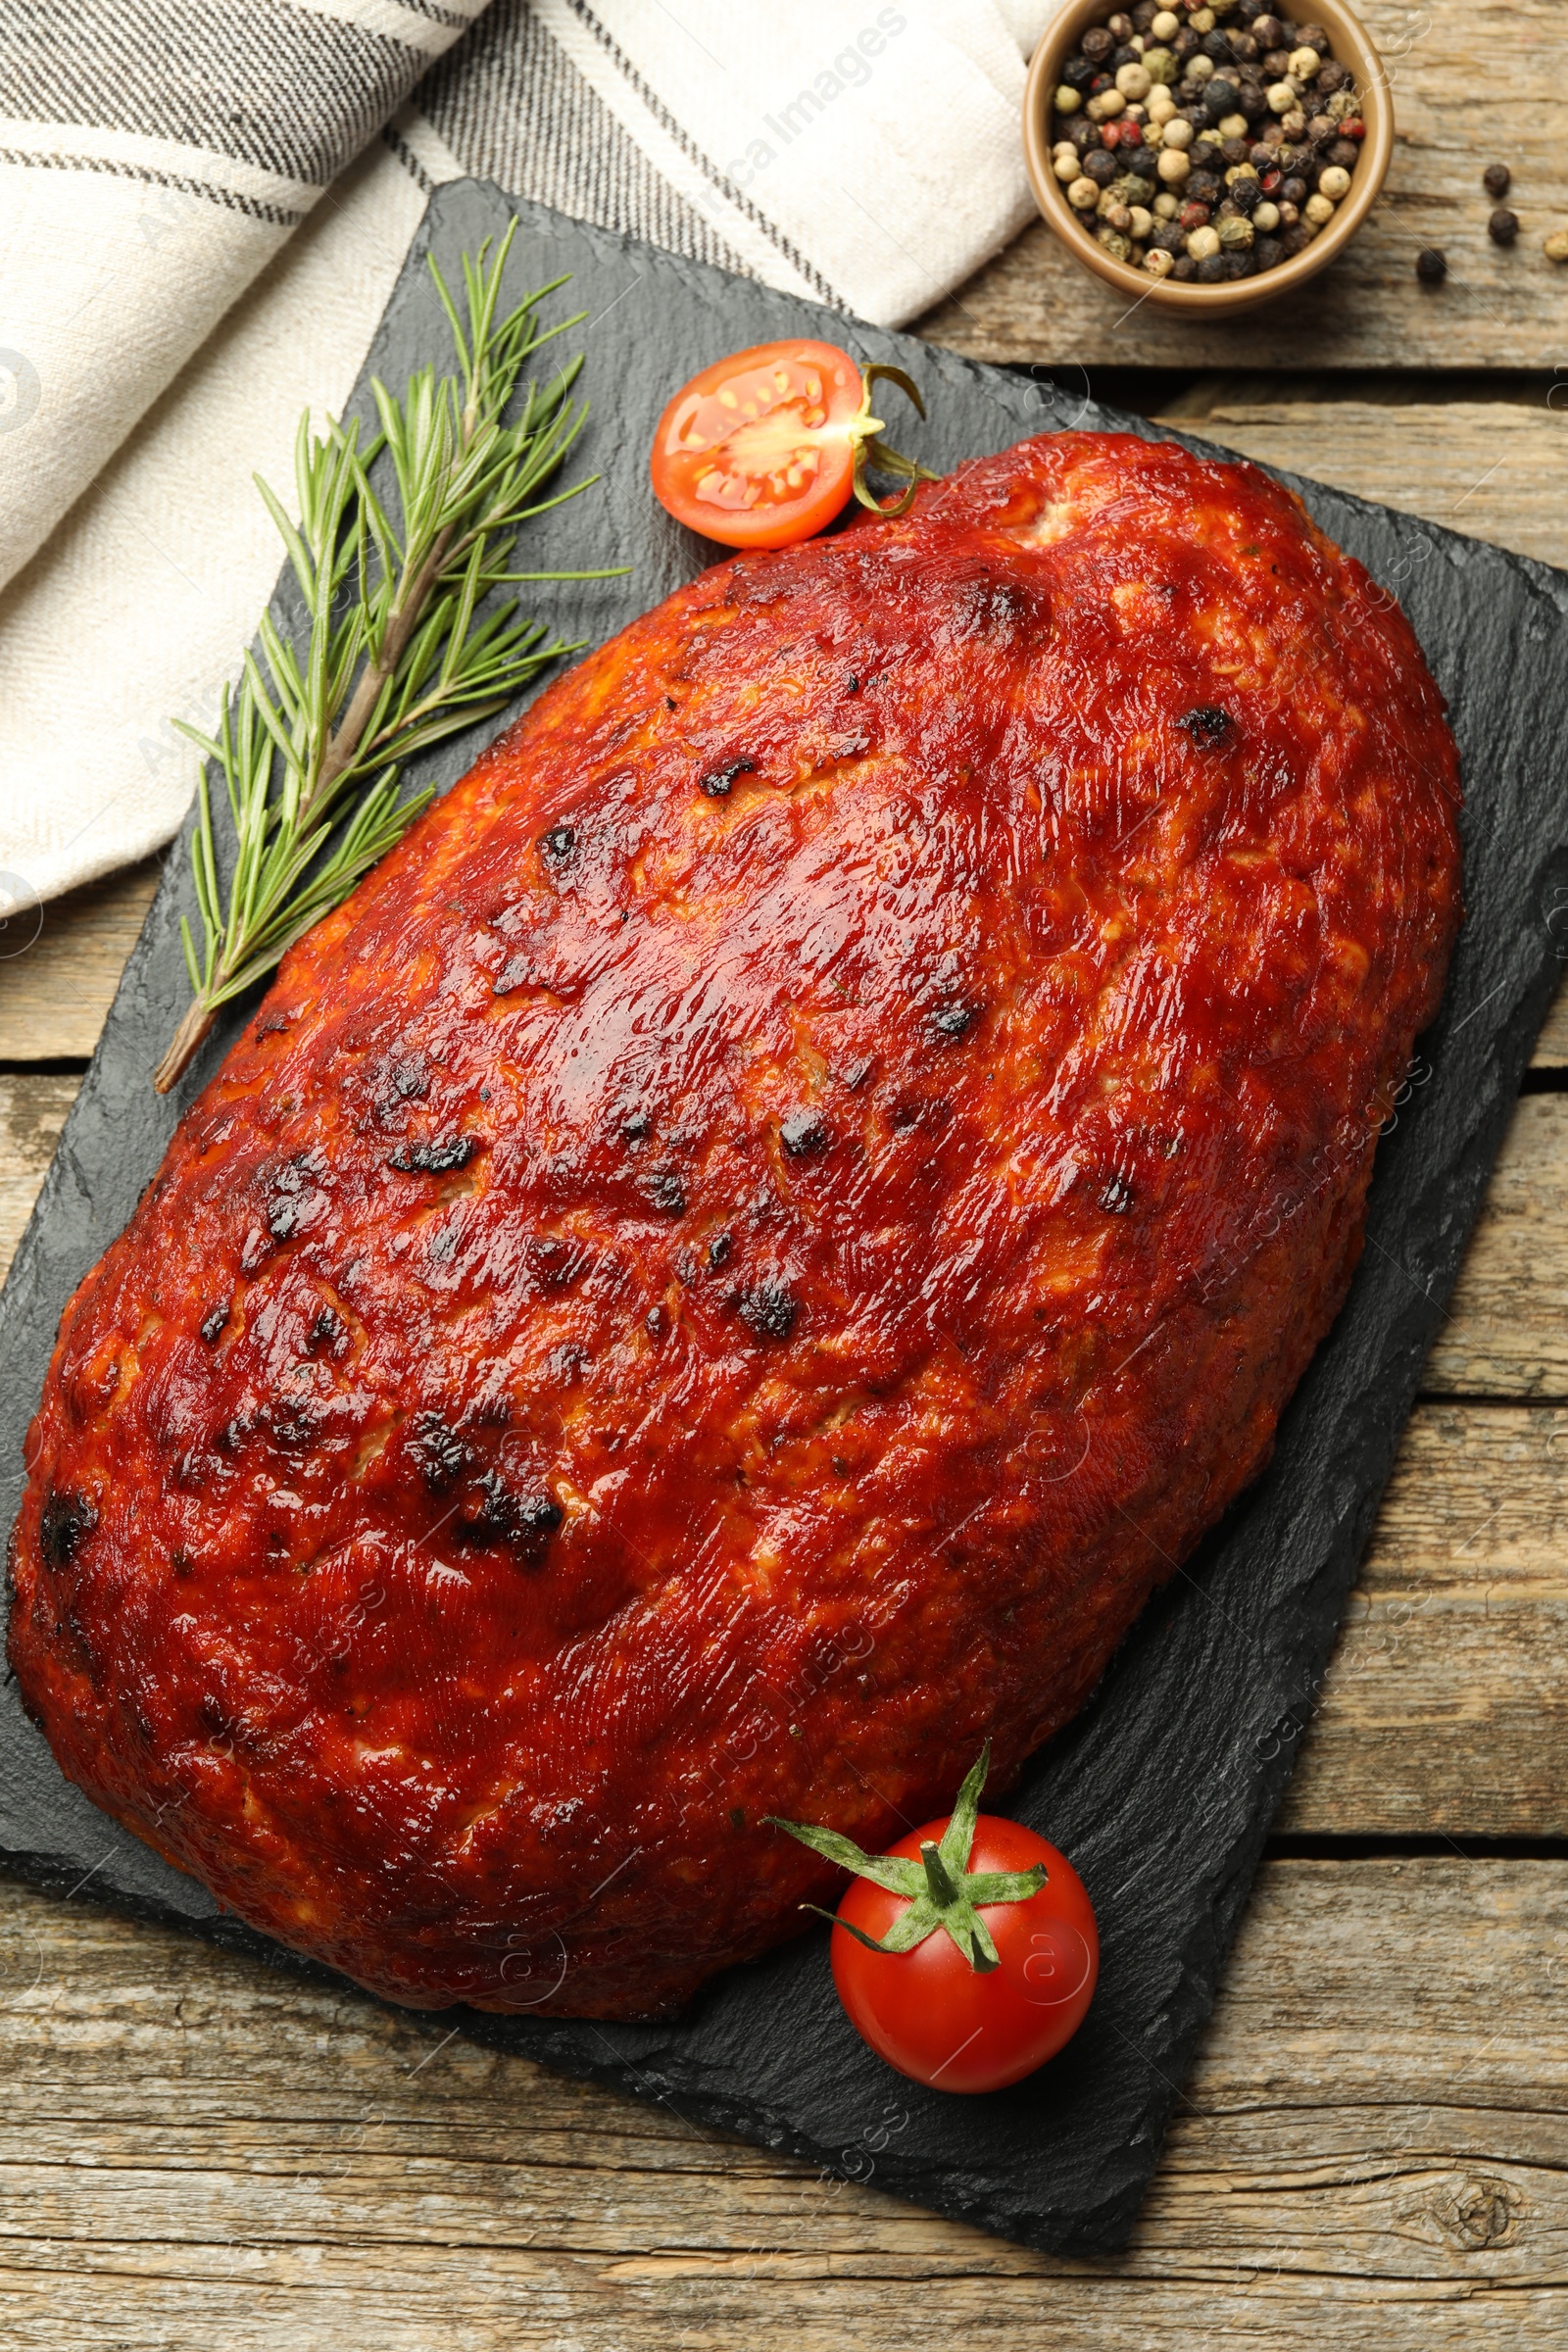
x=1505 y=1333
x=1487 y=467
x=1551 y=1046
x=1474 y=83
x=1446 y=1706
x=202 y=2152
x=32 y=1112
x=55 y=993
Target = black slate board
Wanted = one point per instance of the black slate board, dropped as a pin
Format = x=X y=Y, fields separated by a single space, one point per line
x=1164 y=1789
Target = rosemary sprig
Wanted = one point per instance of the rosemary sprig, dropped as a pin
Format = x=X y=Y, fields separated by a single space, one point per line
x=400 y=648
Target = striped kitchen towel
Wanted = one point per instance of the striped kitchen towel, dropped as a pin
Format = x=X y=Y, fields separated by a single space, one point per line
x=206 y=203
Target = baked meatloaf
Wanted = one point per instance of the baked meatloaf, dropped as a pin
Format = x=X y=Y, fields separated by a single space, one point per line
x=724 y=1274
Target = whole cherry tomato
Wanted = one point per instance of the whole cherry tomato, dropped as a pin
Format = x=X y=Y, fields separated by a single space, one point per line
x=764 y=448
x=968 y=1954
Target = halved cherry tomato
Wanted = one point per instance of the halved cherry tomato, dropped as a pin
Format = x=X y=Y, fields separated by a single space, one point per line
x=764 y=448
x=968 y=1954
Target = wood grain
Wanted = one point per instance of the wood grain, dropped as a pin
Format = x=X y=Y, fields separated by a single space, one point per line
x=55 y=993
x=202 y=2153
x=32 y=1112
x=1445 y=1706
x=1551 y=1046
x=1505 y=1333
x=1473 y=82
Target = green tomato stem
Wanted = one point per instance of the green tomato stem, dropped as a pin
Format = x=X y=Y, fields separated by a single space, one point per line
x=940 y=1891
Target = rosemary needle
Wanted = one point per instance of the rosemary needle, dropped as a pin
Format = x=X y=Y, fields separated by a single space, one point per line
x=399 y=651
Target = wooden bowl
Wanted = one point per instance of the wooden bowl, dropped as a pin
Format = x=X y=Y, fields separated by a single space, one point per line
x=1352 y=47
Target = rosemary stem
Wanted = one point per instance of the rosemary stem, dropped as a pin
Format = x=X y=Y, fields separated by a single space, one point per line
x=188 y=1039
x=402 y=621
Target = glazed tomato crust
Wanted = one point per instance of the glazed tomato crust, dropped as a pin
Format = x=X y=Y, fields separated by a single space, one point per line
x=724 y=1274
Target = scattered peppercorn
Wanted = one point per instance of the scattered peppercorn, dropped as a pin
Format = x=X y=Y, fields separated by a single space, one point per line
x=1503 y=226
x=1431 y=266
x=1555 y=246
x=1497 y=180
x=1204 y=151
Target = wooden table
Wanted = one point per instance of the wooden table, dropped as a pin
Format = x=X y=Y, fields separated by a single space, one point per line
x=201 y=2156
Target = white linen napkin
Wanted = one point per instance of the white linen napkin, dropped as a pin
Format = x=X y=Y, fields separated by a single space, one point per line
x=193 y=256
